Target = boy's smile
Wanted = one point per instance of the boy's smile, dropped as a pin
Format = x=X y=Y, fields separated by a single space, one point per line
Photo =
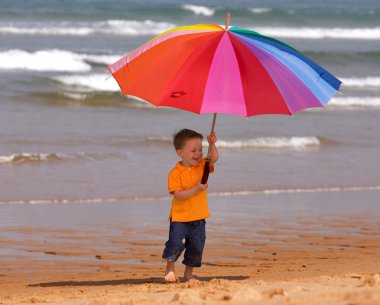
x=191 y=153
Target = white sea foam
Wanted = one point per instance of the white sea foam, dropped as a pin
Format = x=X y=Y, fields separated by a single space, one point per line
x=37 y=157
x=149 y=27
x=78 y=96
x=100 y=59
x=109 y=27
x=272 y=143
x=199 y=9
x=43 y=60
x=297 y=143
x=52 y=60
x=361 y=82
x=267 y=192
x=94 y=82
x=355 y=102
x=134 y=28
x=297 y=190
x=86 y=200
x=321 y=33
x=46 y=30
x=88 y=84
x=31 y=157
x=260 y=10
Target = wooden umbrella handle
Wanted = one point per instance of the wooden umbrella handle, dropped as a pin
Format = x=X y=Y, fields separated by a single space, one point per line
x=228 y=20
x=206 y=170
x=211 y=132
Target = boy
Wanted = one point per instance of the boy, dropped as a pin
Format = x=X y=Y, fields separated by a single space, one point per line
x=189 y=205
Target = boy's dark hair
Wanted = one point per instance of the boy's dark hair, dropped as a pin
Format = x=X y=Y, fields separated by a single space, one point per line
x=183 y=135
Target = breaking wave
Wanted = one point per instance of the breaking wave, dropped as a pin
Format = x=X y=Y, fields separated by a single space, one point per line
x=35 y=158
x=370 y=81
x=260 y=10
x=199 y=9
x=93 y=82
x=216 y=194
x=298 y=190
x=31 y=158
x=150 y=27
x=321 y=33
x=297 y=143
x=54 y=60
x=109 y=27
x=44 y=60
x=272 y=143
x=355 y=102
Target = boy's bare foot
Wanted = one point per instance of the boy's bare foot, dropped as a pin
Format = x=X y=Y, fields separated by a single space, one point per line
x=170 y=277
x=169 y=273
x=188 y=274
x=191 y=278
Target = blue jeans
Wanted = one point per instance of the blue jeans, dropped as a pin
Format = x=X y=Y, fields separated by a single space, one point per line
x=194 y=234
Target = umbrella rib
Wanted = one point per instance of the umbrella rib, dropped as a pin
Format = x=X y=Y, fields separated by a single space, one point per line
x=243 y=44
x=171 y=87
x=150 y=44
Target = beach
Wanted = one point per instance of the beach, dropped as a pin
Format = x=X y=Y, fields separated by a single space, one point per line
x=306 y=252
x=83 y=169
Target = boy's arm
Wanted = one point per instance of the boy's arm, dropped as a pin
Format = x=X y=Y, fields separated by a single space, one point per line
x=214 y=155
x=186 y=194
x=175 y=187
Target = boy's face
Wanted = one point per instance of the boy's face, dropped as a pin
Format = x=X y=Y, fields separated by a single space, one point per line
x=191 y=153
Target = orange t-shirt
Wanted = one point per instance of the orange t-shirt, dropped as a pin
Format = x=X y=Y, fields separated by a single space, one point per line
x=182 y=178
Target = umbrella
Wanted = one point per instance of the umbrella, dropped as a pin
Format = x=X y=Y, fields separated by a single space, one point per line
x=209 y=68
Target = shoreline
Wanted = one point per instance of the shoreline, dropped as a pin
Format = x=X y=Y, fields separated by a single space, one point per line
x=278 y=249
x=131 y=199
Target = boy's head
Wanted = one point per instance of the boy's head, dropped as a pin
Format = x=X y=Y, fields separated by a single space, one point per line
x=188 y=145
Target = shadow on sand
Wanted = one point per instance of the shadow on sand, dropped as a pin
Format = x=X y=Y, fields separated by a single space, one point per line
x=129 y=281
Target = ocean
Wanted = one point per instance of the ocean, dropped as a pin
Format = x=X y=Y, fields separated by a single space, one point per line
x=67 y=135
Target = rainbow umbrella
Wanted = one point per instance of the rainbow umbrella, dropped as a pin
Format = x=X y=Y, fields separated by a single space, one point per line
x=208 y=68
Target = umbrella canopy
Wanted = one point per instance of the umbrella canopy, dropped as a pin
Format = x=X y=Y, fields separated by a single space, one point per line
x=208 y=68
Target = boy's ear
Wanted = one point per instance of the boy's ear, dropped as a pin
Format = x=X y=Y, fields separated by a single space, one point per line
x=179 y=153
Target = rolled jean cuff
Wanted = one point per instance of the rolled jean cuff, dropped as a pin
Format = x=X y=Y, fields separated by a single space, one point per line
x=192 y=262
x=172 y=257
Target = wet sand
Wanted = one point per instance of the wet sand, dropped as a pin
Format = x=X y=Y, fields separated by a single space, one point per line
x=95 y=254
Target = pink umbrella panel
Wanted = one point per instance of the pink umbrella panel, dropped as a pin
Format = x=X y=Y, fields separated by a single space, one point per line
x=211 y=69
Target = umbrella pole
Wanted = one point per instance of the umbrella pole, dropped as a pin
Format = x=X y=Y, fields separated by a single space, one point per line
x=228 y=16
x=206 y=170
x=211 y=132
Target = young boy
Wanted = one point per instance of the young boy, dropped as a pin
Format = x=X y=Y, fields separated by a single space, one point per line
x=189 y=205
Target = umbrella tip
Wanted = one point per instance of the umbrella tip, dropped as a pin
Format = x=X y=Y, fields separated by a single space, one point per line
x=228 y=20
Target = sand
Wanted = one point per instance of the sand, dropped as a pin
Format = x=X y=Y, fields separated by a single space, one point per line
x=326 y=260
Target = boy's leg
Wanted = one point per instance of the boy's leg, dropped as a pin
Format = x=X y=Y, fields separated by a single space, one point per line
x=188 y=274
x=194 y=248
x=173 y=248
x=169 y=272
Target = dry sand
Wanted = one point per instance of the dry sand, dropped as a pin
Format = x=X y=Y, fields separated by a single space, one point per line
x=331 y=261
